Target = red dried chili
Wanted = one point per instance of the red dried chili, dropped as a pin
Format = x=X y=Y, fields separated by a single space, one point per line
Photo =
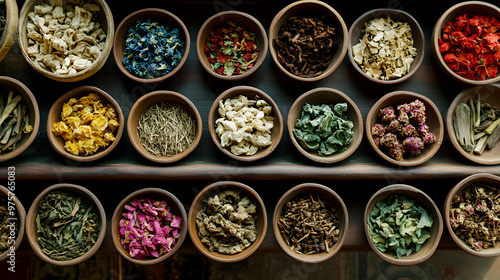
x=471 y=46
x=232 y=49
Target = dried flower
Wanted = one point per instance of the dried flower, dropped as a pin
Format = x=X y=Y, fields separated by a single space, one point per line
x=387 y=114
x=413 y=145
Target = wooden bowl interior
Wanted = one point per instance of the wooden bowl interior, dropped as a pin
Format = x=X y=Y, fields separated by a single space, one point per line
x=31 y=223
x=21 y=221
x=489 y=94
x=315 y=8
x=426 y=202
x=153 y=193
x=54 y=116
x=250 y=93
x=356 y=33
x=147 y=101
x=470 y=8
x=340 y=207
x=105 y=19
x=487 y=179
x=165 y=18
x=200 y=201
x=433 y=120
x=221 y=19
x=326 y=96
x=9 y=35
x=32 y=109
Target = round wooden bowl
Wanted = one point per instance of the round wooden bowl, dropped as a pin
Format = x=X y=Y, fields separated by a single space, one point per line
x=31 y=223
x=430 y=245
x=220 y=19
x=320 y=96
x=307 y=7
x=9 y=34
x=249 y=92
x=105 y=19
x=200 y=201
x=433 y=120
x=54 y=116
x=489 y=94
x=21 y=221
x=483 y=178
x=176 y=208
x=340 y=208
x=163 y=17
x=356 y=34
x=147 y=101
x=32 y=109
x=470 y=8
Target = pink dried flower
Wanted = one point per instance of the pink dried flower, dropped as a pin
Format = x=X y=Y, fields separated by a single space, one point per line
x=413 y=145
x=403 y=118
x=404 y=108
x=394 y=127
x=389 y=140
x=429 y=138
x=387 y=114
x=377 y=142
x=422 y=129
x=397 y=152
x=378 y=130
x=407 y=131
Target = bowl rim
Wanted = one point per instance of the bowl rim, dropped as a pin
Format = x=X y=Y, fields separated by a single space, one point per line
x=296 y=191
x=450 y=129
x=336 y=157
x=277 y=116
x=139 y=14
x=105 y=98
x=394 y=189
x=262 y=53
x=478 y=177
x=9 y=35
x=94 y=67
x=21 y=212
x=342 y=27
x=436 y=34
x=385 y=11
x=30 y=227
x=217 y=186
x=157 y=192
x=36 y=123
x=428 y=103
x=133 y=130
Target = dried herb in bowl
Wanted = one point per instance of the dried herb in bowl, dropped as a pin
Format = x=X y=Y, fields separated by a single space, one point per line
x=67 y=225
x=232 y=49
x=305 y=45
x=152 y=49
x=14 y=120
x=474 y=215
x=309 y=224
x=399 y=225
x=8 y=230
x=3 y=13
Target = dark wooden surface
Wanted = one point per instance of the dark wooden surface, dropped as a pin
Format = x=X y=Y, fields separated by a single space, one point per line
x=355 y=178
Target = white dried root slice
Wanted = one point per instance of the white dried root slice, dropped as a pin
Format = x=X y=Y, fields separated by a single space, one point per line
x=245 y=126
x=63 y=37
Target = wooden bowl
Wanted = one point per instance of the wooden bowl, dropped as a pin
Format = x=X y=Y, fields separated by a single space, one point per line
x=220 y=19
x=489 y=94
x=147 y=101
x=21 y=220
x=306 y=7
x=176 y=208
x=340 y=208
x=470 y=8
x=433 y=120
x=54 y=116
x=105 y=19
x=430 y=245
x=320 y=96
x=32 y=108
x=31 y=223
x=9 y=34
x=356 y=34
x=249 y=92
x=484 y=178
x=163 y=17
x=200 y=201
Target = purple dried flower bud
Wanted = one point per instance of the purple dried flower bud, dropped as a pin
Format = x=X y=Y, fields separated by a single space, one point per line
x=418 y=105
x=377 y=142
x=154 y=253
x=389 y=140
x=387 y=114
x=378 y=130
x=129 y=207
x=404 y=108
x=123 y=231
x=175 y=232
x=413 y=145
x=422 y=129
x=429 y=138
x=407 y=131
x=396 y=152
x=417 y=116
x=403 y=118
x=176 y=223
x=394 y=127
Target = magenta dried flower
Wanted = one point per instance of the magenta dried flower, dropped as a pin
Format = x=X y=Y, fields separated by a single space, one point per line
x=417 y=105
x=422 y=129
x=403 y=118
x=378 y=130
x=407 y=131
x=394 y=127
x=405 y=108
x=413 y=145
x=397 y=152
x=387 y=114
x=429 y=138
x=148 y=228
x=389 y=140
x=377 y=140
